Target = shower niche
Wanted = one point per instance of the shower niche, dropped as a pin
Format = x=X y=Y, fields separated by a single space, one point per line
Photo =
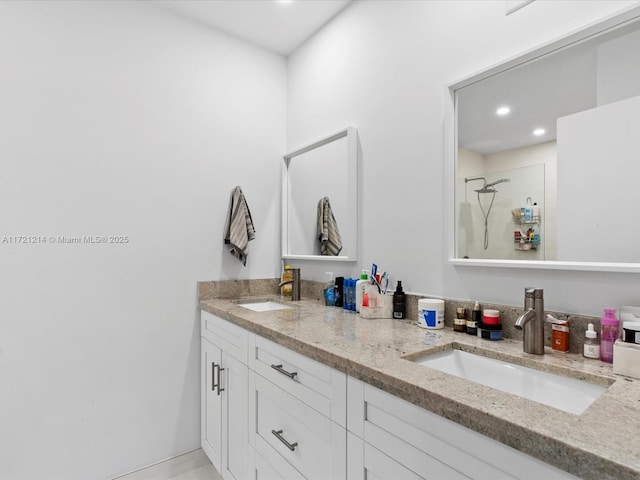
x=495 y=207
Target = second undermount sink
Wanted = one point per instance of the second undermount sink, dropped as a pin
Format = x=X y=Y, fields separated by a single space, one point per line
x=266 y=306
x=558 y=391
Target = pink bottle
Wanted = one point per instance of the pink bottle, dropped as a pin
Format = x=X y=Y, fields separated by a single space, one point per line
x=609 y=333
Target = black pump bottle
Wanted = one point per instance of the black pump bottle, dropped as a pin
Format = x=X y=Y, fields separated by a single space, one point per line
x=398 y=301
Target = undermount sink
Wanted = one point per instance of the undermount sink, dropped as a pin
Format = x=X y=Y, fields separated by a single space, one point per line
x=267 y=306
x=565 y=393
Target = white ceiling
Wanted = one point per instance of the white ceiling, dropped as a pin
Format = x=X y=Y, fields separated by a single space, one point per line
x=277 y=25
x=539 y=92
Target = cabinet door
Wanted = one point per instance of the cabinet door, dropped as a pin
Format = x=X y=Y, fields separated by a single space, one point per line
x=235 y=411
x=211 y=403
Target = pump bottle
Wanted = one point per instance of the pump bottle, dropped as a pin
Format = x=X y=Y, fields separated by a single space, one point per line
x=398 y=301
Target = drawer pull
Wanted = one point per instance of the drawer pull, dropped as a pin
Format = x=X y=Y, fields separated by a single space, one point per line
x=215 y=383
x=290 y=446
x=283 y=371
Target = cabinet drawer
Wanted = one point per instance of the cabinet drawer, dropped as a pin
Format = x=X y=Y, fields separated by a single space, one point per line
x=319 y=386
x=225 y=335
x=429 y=445
x=271 y=466
x=314 y=445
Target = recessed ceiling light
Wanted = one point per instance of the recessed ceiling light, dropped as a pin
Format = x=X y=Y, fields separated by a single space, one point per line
x=539 y=131
x=503 y=110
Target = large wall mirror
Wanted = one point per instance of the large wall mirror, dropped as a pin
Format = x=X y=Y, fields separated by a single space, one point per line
x=320 y=199
x=546 y=155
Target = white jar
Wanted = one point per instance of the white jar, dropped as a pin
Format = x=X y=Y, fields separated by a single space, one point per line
x=431 y=313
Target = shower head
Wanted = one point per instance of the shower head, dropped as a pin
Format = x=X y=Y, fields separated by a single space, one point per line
x=497 y=182
x=488 y=188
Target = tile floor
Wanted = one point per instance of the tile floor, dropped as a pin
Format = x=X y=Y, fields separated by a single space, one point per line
x=205 y=472
x=190 y=466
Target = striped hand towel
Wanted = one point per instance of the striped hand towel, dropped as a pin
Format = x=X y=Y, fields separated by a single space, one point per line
x=328 y=231
x=238 y=230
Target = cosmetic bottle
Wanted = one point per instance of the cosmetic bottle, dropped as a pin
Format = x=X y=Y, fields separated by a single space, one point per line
x=609 y=333
x=330 y=290
x=460 y=322
x=476 y=316
x=591 y=344
x=398 y=301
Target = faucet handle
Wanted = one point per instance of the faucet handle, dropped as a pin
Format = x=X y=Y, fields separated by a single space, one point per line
x=533 y=292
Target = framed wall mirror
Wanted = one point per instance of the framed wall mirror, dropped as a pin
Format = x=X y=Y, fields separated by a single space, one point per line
x=544 y=166
x=320 y=199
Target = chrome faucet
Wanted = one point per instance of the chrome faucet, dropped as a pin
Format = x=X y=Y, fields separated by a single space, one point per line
x=531 y=322
x=295 y=291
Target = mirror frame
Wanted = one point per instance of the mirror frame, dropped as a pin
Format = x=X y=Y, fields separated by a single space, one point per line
x=350 y=230
x=627 y=16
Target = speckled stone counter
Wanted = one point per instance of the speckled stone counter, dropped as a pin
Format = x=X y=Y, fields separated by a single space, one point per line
x=601 y=443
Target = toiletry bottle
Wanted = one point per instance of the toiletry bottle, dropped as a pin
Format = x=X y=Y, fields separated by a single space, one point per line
x=398 y=301
x=330 y=290
x=476 y=316
x=339 y=292
x=591 y=343
x=527 y=210
x=535 y=212
x=346 y=295
x=287 y=288
x=364 y=279
x=460 y=322
x=609 y=333
x=348 y=302
x=352 y=294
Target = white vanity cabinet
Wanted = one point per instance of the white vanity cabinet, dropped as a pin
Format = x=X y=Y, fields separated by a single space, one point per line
x=392 y=438
x=271 y=413
x=300 y=414
x=224 y=396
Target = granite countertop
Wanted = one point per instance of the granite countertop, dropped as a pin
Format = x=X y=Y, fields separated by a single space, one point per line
x=601 y=443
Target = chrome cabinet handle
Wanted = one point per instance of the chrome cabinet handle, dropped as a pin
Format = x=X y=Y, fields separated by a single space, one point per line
x=283 y=371
x=215 y=379
x=290 y=446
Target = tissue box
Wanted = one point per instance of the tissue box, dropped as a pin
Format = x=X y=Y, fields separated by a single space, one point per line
x=626 y=359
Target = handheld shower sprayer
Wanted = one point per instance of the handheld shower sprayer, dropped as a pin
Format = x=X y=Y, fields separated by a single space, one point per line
x=486 y=188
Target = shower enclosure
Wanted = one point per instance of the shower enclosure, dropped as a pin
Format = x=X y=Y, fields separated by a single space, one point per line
x=486 y=203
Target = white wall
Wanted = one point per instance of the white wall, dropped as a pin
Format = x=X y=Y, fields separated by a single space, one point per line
x=383 y=67
x=121 y=118
x=618 y=71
